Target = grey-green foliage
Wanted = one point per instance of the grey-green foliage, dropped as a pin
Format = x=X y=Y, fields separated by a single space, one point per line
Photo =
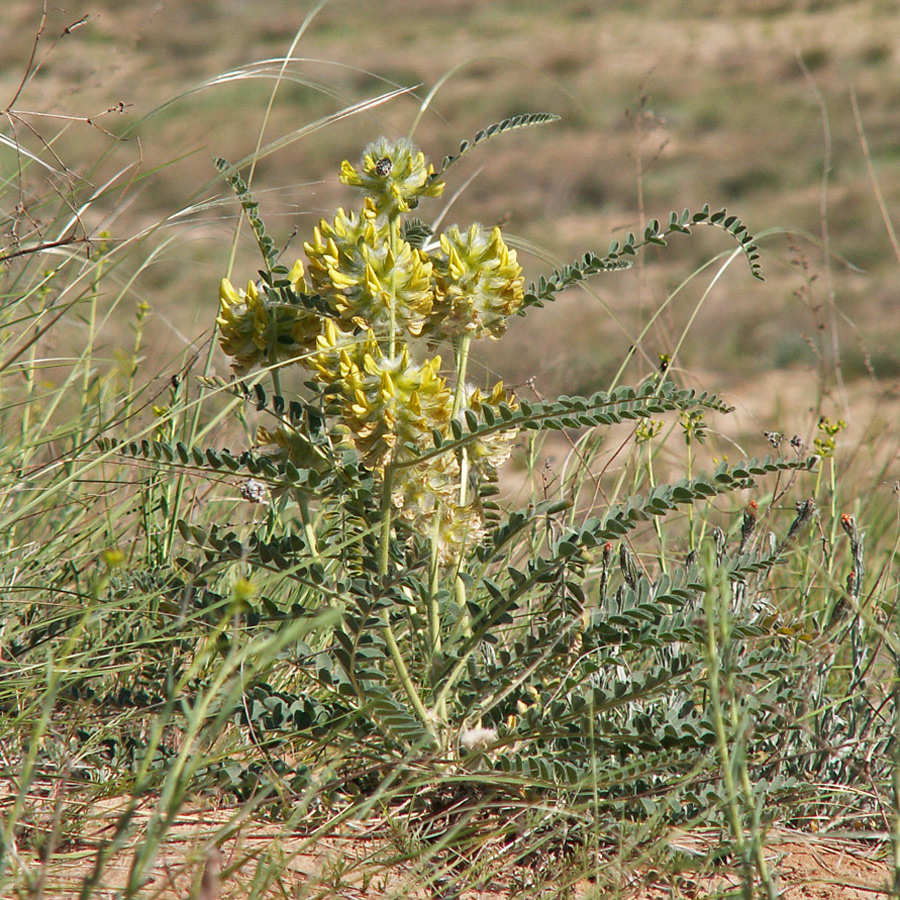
x=567 y=663
x=570 y=664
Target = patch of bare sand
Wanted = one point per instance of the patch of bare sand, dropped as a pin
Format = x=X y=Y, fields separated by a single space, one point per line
x=802 y=867
x=221 y=853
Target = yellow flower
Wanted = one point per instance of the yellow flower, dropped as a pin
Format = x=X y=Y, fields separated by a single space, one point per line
x=352 y=265
x=489 y=452
x=478 y=284
x=237 y=325
x=266 y=327
x=382 y=402
x=394 y=174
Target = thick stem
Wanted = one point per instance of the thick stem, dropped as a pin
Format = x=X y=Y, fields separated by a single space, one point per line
x=434 y=614
x=403 y=674
x=463 y=479
x=308 y=530
x=276 y=381
x=462 y=363
x=384 y=558
x=384 y=548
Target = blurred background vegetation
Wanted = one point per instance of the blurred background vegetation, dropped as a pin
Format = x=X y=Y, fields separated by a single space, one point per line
x=766 y=107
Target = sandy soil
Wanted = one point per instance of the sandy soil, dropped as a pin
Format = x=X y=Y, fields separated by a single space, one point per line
x=221 y=853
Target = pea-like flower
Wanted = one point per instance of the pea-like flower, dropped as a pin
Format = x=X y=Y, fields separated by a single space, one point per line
x=478 y=284
x=490 y=451
x=383 y=402
x=425 y=498
x=354 y=267
x=395 y=174
x=256 y=329
x=237 y=325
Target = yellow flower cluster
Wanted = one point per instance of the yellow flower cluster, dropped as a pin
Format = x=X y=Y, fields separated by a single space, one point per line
x=384 y=402
x=257 y=330
x=355 y=268
x=478 y=283
x=394 y=175
x=374 y=295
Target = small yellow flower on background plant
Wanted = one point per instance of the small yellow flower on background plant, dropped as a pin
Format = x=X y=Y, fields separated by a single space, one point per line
x=825 y=443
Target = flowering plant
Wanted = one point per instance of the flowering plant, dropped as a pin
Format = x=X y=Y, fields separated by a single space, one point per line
x=385 y=296
x=393 y=456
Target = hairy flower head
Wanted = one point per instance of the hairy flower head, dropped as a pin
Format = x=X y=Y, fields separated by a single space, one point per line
x=394 y=174
x=478 y=283
x=383 y=402
x=256 y=329
x=353 y=266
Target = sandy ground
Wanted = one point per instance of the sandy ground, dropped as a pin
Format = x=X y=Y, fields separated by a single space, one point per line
x=209 y=854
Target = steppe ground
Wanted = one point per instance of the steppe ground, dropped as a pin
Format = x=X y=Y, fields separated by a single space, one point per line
x=786 y=113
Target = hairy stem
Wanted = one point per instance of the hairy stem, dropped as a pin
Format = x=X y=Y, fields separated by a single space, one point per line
x=389 y=636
